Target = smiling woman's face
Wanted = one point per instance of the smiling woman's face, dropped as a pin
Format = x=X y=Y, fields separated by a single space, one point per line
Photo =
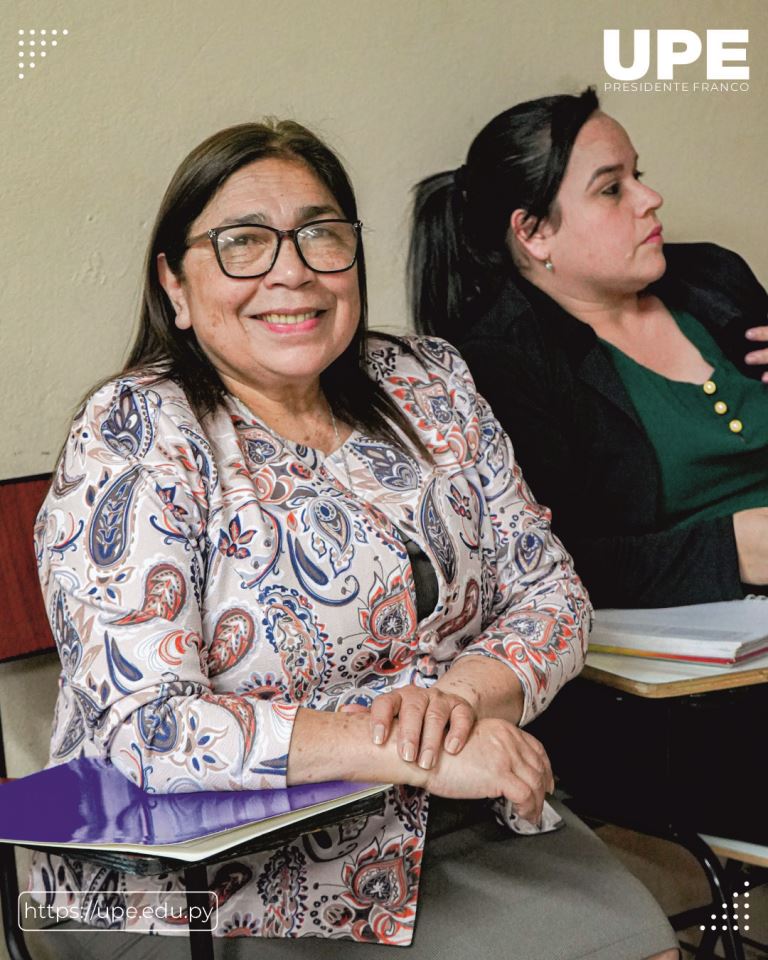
x=247 y=327
x=609 y=239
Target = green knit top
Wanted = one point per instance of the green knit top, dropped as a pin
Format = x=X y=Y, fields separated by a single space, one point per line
x=711 y=439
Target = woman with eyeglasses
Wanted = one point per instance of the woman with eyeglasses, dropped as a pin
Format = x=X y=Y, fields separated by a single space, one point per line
x=617 y=364
x=278 y=550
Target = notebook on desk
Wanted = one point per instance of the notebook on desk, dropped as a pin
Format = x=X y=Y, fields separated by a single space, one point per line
x=725 y=633
x=88 y=804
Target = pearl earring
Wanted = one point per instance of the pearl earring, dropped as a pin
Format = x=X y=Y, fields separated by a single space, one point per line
x=549 y=265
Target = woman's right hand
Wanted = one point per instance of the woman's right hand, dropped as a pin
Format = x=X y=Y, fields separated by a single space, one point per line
x=751 y=530
x=498 y=760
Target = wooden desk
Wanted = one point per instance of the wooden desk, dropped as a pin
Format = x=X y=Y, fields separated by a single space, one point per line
x=668 y=678
x=657 y=745
x=669 y=748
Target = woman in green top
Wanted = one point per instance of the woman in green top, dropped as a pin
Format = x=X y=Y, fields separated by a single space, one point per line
x=616 y=364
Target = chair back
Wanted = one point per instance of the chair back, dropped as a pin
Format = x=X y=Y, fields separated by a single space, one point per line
x=24 y=628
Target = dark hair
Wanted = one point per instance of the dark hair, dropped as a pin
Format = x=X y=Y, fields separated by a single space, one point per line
x=161 y=347
x=458 y=251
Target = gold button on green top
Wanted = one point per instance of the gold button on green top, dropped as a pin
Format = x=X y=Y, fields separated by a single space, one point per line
x=709 y=387
x=736 y=426
x=721 y=407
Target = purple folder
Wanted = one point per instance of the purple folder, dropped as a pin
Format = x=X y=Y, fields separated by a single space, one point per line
x=88 y=801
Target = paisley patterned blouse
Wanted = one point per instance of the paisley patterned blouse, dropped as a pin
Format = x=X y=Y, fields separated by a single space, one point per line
x=205 y=579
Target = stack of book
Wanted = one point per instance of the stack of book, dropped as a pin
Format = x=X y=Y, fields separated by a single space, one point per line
x=725 y=633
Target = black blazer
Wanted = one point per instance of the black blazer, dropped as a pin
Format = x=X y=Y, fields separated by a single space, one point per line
x=581 y=446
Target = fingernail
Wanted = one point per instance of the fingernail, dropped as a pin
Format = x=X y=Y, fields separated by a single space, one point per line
x=752 y=358
x=408 y=752
x=378 y=734
x=426 y=759
x=750 y=334
x=452 y=745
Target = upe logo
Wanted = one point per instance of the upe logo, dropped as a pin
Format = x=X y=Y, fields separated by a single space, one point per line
x=678 y=48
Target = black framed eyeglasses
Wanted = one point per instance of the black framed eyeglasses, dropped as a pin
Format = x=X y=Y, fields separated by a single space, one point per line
x=248 y=250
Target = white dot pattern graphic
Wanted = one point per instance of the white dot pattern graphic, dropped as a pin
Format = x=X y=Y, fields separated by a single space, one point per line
x=27 y=57
x=734 y=915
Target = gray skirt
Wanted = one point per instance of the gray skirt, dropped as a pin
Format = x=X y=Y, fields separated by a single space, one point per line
x=484 y=892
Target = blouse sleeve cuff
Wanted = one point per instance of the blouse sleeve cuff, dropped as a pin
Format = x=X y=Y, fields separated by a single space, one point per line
x=267 y=767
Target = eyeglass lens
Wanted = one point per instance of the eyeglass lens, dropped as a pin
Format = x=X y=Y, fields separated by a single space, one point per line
x=249 y=250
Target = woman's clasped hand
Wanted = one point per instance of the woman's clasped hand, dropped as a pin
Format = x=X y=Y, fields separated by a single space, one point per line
x=429 y=720
x=463 y=756
x=751 y=533
x=498 y=760
x=760 y=355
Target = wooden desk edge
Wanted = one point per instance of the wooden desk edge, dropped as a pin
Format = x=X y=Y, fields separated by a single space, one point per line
x=722 y=849
x=676 y=688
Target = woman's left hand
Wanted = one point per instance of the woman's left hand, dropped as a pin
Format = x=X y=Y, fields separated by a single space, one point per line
x=425 y=717
x=761 y=355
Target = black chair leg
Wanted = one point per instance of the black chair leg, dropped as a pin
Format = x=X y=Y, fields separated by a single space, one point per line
x=9 y=898
x=9 y=887
x=707 y=944
x=721 y=893
x=198 y=907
